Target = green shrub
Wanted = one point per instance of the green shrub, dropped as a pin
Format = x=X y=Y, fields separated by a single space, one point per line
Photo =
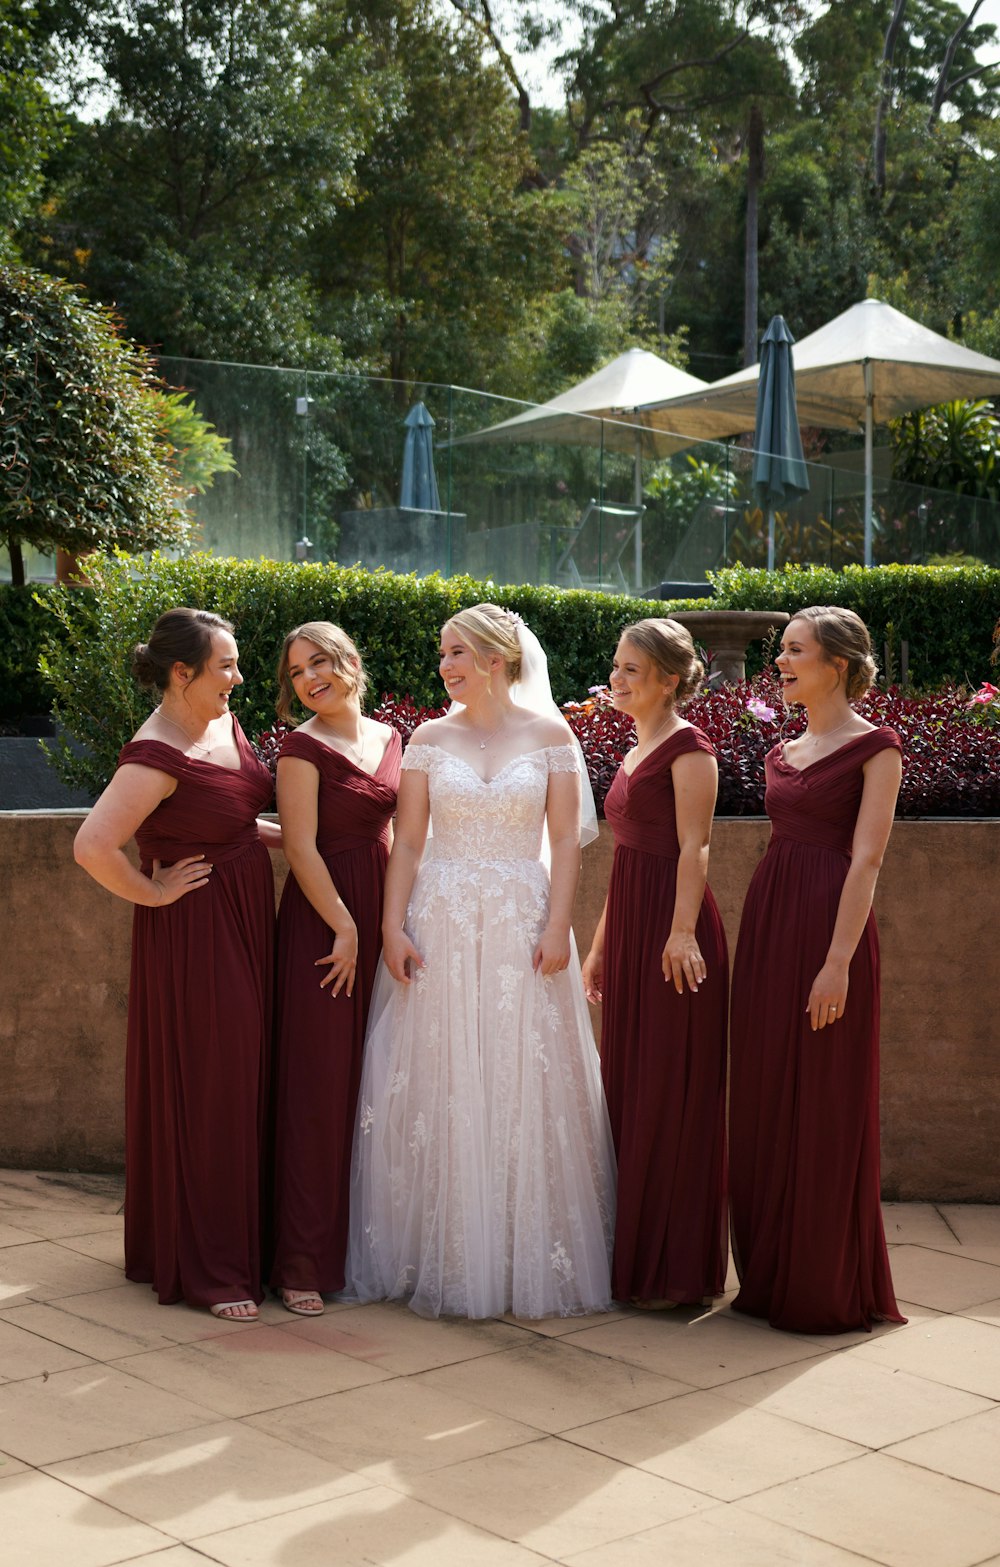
x=945 y=613
x=394 y=620
x=947 y=616
x=23 y=626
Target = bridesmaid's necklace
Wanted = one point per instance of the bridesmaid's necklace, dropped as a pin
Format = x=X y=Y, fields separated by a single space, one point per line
x=195 y=745
x=357 y=760
x=648 y=742
x=817 y=739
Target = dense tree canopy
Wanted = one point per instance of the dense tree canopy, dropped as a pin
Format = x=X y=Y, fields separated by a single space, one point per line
x=369 y=182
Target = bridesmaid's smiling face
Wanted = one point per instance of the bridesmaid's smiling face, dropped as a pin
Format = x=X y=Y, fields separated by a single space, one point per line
x=807 y=673
x=638 y=685
x=314 y=679
x=208 y=691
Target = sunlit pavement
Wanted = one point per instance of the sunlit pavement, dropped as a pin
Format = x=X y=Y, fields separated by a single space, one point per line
x=132 y=1432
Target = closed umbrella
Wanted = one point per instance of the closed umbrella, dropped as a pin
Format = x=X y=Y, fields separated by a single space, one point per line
x=866 y=366
x=779 y=470
x=418 y=490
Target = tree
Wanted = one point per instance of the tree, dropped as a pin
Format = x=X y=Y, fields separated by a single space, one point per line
x=32 y=126
x=81 y=463
x=447 y=239
x=234 y=127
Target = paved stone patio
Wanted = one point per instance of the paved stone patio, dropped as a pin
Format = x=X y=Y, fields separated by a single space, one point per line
x=132 y=1432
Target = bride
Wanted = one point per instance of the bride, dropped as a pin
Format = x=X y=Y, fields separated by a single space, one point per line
x=483 y=1174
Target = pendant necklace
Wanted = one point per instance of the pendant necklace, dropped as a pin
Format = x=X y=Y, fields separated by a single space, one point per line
x=357 y=760
x=647 y=743
x=816 y=739
x=484 y=743
x=195 y=745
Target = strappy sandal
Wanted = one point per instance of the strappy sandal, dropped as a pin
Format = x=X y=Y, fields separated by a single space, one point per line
x=304 y=1303
x=228 y=1311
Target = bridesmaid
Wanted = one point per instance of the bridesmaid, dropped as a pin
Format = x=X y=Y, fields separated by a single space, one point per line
x=659 y=961
x=337 y=780
x=804 y=1116
x=188 y=787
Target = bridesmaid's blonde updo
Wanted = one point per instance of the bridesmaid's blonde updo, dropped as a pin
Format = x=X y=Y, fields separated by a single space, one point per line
x=180 y=636
x=488 y=628
x=671 y=648
x=340 y=650
x=843 y=634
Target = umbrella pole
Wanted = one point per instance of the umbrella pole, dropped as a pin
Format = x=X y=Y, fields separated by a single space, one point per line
x=637 y=492
x=770 y=538
x=869 y=420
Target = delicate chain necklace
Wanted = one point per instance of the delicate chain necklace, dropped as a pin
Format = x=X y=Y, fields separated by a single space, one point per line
x=346 y=745
x=646 y=744
x=195 y=745
x=484 y=743
x=816 y=739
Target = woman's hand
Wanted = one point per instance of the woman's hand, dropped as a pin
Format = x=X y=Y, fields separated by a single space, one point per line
x=828 y=996
x=181 y=877
x=593 y=976
x=552 y=953
x=343 y=961
x=400 y=955
x=682 y=960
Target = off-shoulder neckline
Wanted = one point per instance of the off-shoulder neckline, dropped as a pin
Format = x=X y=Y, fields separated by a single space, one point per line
x=780 y=750
x=537 y=750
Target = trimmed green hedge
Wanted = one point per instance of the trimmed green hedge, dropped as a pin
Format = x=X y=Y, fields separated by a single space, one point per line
x=945 y=613
x=394 y=620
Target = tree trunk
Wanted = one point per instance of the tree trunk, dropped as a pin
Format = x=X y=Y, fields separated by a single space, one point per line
x=755 y=174
x=882 y=108
x=16 y=562
x=944 y=83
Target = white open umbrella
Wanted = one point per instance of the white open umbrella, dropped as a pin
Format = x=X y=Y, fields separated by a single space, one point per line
x=868 y=365
x=613 y=397
x=607 y=409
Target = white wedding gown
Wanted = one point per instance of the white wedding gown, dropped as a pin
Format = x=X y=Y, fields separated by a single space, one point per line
x=483 y=1178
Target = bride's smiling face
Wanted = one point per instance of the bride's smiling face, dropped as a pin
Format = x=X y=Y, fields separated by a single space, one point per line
x=465 y=671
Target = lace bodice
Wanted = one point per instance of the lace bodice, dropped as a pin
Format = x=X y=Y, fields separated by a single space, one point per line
x=497 y=820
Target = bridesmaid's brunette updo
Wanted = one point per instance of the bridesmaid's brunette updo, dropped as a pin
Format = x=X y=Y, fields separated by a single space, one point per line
x=180 y=636
x=671 y=648
x=488 y=628
x=843 y=634
x=339 y=649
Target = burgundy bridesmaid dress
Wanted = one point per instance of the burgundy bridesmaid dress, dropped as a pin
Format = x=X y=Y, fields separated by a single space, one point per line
x=804 y=1117
x=663 y=1056
x=320 y=1037
x=199 y=1026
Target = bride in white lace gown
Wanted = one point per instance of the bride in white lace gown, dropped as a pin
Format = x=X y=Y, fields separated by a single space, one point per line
x=483 y=1176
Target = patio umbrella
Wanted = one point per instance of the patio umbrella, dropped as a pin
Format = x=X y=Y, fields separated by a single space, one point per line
x=418 y=490
x=607 y=409
x=779 y=470
x=866 y=366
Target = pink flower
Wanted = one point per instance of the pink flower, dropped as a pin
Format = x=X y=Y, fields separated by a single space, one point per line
x=760 y=709
x=986 y=693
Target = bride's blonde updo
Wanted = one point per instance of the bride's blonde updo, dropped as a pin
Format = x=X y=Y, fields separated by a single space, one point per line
x=843 y=634
x=671 y=648
x=488 y=628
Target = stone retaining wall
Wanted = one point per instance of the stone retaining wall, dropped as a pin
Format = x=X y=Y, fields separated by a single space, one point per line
x=64 y=946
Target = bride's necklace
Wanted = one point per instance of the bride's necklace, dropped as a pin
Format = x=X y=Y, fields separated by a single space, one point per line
x=196 y=745
x=346 y=744
x=493 y=734
x=818 y=739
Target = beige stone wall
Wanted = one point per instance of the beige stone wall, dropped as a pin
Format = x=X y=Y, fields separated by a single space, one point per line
x=64 y=964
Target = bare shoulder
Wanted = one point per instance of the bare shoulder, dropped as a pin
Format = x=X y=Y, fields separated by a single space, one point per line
x=539 y=731
x=429 y=732
x=384 y=731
